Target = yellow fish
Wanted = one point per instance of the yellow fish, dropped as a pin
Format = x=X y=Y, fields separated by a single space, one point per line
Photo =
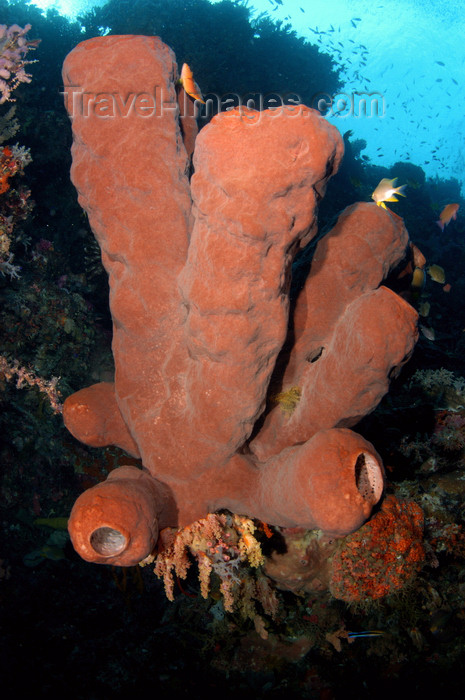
x=189 y=84
x=424 y=309
x=418 y=282
x=386 y=191
x=437 y=274
x=55 y=523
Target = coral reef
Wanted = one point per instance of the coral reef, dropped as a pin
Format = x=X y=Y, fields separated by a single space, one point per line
x=15 y=205
x=201 y=316
x=111 y=631
x=223 y=545
x=13 y=49
x=25 y=377
x=382 y=557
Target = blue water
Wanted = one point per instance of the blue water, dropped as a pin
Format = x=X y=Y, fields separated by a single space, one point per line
x=406 y=42
x=422 y=119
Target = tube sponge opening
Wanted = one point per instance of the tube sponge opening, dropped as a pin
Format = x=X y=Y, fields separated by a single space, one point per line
x=108 y=542
x=369 y=478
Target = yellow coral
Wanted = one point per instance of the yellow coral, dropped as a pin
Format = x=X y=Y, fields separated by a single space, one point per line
x=249 y=547
x=222 y=543
x=288 y=400
x=205 y=567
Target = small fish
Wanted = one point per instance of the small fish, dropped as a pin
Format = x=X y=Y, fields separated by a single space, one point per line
x=368 y=633
x=424 y=309
x=428 y=332
x=55 y=523
x=52 y=553
x=386 y=191
x=437 y=274
x=440 y=621
x=418 y=280
x=449 y=212
x=440 y=63
x=189 y=84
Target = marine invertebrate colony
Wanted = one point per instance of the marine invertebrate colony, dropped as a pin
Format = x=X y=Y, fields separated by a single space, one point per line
x=379 y=559
x=14 y=206
x=13 y=49
x=199 y=276
x=382 y=556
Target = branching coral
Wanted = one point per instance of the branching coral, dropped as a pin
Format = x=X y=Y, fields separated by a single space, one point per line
x=25 y=377
x=222 y=544
x=13 y=49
